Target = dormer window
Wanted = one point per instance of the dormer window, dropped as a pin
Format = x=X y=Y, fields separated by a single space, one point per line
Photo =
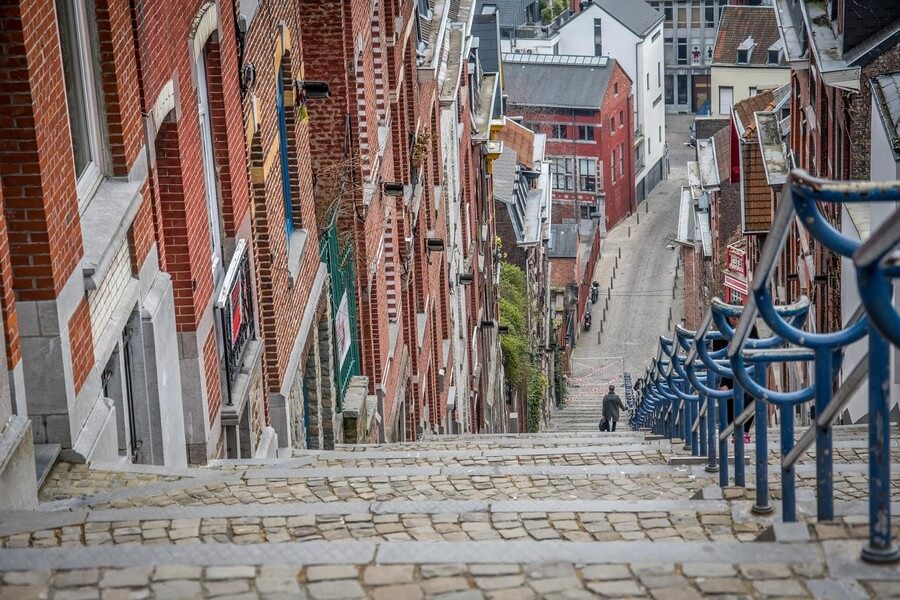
x=744 y=51
x=774 y=55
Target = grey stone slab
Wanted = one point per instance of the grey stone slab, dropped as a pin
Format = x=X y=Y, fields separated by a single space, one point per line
x=222 y=511
x=594 y=552
x=20 y=521
x=587 y=506
x=842 y=558
x=115 y=467
x=430 y=507
x=404 y=471
x=309 y=553
x=478 y=452
x=137 y=492
x=830 y=589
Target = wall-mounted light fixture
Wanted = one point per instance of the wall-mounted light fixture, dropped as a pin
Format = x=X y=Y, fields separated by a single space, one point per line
x=313 y=90
x=502 y=328
x=432 y=243
x=465 y=279
x=392 y=188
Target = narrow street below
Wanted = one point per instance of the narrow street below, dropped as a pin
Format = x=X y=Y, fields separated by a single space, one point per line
x=637 y=306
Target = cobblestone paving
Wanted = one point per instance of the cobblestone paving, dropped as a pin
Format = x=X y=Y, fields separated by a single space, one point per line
x=665 y=581
x=663 y=485
x=467 y=526
x=67 y=480
x=644 y=457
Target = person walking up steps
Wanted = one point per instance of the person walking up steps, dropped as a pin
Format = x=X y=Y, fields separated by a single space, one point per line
x=611 y=405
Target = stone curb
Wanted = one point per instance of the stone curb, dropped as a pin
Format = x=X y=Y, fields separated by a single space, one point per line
x=507 y=552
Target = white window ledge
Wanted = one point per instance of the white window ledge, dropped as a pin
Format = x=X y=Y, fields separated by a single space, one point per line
x=296 y=248
x=104 y=226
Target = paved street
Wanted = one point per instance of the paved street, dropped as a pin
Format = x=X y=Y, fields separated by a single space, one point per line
x=638 y=304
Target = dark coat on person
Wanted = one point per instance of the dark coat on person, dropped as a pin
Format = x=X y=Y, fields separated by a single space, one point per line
x=611 y=405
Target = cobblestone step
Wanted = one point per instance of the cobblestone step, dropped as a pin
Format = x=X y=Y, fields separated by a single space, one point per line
x=584 y=521
x=458 y=569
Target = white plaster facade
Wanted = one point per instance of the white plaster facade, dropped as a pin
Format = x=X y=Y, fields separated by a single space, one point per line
x=642 y=58
x=744 y=81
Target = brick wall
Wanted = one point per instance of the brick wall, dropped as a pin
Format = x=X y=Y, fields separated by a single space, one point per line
x=608 y=135
x=368 y=57
x=211 y=371
x=281 y=303
x=38 y=188
x=7 y=296
x=81 y=344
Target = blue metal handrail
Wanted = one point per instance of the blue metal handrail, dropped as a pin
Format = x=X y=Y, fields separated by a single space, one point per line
x=683 y=377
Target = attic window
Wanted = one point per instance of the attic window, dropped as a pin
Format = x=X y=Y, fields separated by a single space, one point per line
x=744 y=50
x=774 y=55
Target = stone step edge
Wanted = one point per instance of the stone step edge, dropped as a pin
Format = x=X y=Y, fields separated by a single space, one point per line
x=512 y=470
x=841 y=557
x=13 y=522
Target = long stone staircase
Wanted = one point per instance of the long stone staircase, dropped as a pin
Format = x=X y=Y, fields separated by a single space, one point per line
x=559 y=514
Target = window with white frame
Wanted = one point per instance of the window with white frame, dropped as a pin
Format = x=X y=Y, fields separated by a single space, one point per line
x=598 y=37
x=213 y=211
x=562 y=169
x=622 y=160
x=586 y=133
x=612 y=165
x=587 y=174
x=558 y=132
x=75 y=19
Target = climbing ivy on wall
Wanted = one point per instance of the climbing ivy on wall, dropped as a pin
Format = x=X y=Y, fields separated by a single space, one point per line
x=521 y=374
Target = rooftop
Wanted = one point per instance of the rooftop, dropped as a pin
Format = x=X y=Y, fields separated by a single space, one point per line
x=638 y=16
x=706 y=162
x=556 y=81
x=449 y=75
x=706 y=127
x=512 y=13
x=722 y=145
x=886 y=92
x=767 y=101
x=771 y=144
x=563 y=240
x=751 y=28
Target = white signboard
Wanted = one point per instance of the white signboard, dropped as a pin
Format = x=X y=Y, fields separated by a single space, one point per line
x=342 y=330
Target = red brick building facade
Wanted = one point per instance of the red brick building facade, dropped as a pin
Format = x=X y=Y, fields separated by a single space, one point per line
x=585 y=107
x=176 y=180
x=378 y=137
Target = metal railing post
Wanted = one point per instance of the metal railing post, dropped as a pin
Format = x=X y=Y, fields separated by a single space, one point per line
x=788 y=481
x=712 y=464
x=824 y=460
x=762 y=505
x=740 y=477
x=880 y=547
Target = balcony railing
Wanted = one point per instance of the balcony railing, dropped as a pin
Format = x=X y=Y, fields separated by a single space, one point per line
x=235 y=307
x=538 y=31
